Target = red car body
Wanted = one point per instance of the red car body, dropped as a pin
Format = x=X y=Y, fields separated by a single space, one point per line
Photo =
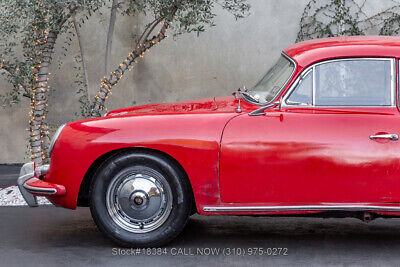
x=289 y=160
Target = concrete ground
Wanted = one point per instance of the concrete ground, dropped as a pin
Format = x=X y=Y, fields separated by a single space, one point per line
x=47 y=236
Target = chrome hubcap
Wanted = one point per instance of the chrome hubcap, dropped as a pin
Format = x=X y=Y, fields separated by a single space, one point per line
x=139 y=202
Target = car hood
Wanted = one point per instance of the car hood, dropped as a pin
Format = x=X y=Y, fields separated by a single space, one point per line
x=207 y=105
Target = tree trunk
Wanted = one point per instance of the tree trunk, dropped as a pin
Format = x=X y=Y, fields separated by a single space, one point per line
x=38 y=127
x=113 y=17
x=113 y=78
x=83 y=55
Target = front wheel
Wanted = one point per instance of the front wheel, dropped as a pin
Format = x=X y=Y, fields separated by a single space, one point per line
x=140 y=199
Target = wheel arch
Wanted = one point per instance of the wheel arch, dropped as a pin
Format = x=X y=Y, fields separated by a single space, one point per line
x=83 y=195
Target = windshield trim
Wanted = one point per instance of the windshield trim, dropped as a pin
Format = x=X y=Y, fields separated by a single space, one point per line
x=249 y=100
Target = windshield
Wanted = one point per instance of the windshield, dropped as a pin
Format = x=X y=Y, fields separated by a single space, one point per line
x=271 y=84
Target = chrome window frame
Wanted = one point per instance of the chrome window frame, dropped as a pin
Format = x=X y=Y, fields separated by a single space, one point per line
x=397 y=71
x=302 y=76
x=281 y=89
x=313 y=68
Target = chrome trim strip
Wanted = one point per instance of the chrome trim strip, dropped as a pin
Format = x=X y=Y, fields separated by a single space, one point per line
x=40 y=190
x=313 y=86
x=302 y=208
x=282 y=88
x=393 y=70
x=299 y=77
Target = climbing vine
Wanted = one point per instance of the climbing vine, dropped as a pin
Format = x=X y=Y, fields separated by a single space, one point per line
x=330 y=18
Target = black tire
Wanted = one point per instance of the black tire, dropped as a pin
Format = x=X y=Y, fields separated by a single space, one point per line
x=150 y=162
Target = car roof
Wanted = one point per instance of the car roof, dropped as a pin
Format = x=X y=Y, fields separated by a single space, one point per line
x=309 y=52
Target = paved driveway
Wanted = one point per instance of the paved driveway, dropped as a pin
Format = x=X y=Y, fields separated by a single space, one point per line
x=49 y=235
x=9 y=174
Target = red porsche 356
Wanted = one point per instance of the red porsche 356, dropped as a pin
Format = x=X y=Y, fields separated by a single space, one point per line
x=318 y=135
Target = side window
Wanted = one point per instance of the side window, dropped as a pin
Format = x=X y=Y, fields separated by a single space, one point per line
x=302 y=94
x=361 y=82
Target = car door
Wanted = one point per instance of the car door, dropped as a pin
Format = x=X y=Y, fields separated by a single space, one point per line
x=334 y=140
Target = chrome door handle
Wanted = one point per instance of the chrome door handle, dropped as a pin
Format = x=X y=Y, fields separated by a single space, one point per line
x=392 y=137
